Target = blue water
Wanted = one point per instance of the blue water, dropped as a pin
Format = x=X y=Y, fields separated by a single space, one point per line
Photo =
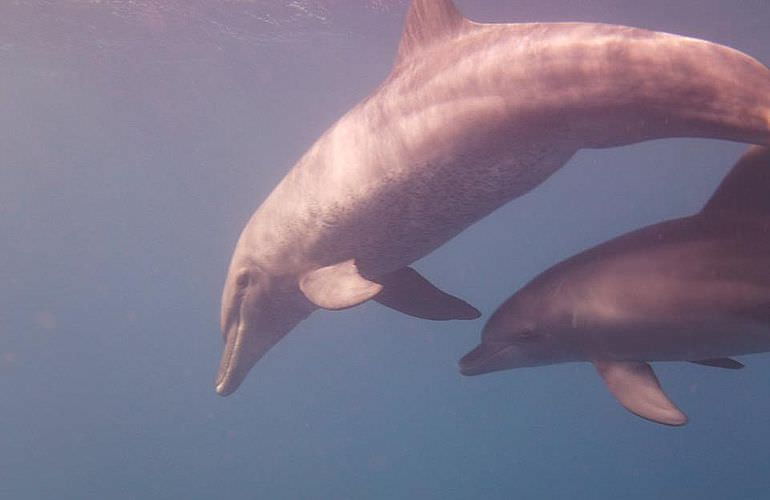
x=136 y=138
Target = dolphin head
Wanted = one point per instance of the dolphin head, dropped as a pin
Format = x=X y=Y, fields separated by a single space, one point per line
x=258 y=309
x=521 y=333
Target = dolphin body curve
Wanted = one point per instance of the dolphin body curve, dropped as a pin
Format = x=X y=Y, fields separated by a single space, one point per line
x=691 y=289
x=471 y=116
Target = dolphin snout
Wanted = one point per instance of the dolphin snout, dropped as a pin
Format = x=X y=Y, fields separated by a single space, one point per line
x=224 y=388
x=244 y=346
x=240 y=354
x=231 y=371
x=485 y=358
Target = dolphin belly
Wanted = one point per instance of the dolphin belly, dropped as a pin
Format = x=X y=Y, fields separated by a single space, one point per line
x=406 y=220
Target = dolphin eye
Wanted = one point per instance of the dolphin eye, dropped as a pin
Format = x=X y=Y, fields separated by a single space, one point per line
x=242 y=280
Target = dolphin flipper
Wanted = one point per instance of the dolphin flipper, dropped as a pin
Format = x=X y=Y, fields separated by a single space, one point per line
x=406 y=291
x=728 y=363
x=635 y=386
x=338 y=286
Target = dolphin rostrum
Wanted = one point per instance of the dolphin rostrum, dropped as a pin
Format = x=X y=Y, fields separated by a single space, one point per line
x=471 y=116
x=691 y=289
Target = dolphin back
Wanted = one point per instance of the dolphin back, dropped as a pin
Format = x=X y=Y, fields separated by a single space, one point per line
x=746 y=188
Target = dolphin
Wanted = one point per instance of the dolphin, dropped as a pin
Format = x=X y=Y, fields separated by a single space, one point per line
x=691 y=289
x=471 y=116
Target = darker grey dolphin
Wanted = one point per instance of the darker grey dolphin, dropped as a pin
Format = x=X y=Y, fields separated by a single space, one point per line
x=472 y=116
x=691 y=289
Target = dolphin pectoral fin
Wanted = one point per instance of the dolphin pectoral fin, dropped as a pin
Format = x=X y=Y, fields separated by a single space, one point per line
x=635 y=386
x=338 y=286
x=728 y=363
x=406 y=291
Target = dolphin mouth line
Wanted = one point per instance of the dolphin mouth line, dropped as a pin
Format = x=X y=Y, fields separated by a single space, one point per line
x=233 y=342
x=477 y=367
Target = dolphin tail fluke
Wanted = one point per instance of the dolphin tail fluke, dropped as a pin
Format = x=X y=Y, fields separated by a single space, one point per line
x=406 y=291
x=746 y=188
x=635 y=386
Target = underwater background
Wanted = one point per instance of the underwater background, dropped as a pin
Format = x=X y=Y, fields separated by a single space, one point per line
x=137 y=137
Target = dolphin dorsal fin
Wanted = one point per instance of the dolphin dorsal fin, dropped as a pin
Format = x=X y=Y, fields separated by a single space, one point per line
x=746 y=188
x=426 y=22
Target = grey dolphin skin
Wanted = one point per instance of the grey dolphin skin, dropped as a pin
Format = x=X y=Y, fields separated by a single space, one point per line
x=691 y=289
x=471 y=116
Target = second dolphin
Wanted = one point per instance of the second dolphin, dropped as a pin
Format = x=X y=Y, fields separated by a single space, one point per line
x=691 y=289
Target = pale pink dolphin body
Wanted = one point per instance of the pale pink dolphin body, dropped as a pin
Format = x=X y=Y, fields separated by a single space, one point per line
x=472 y=116
x=691 y=289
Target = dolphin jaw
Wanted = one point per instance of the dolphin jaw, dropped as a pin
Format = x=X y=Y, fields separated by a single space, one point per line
x=243 y=348
x=227 y=380
x=239 y=355
x=250 y=335
x=485 y=358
